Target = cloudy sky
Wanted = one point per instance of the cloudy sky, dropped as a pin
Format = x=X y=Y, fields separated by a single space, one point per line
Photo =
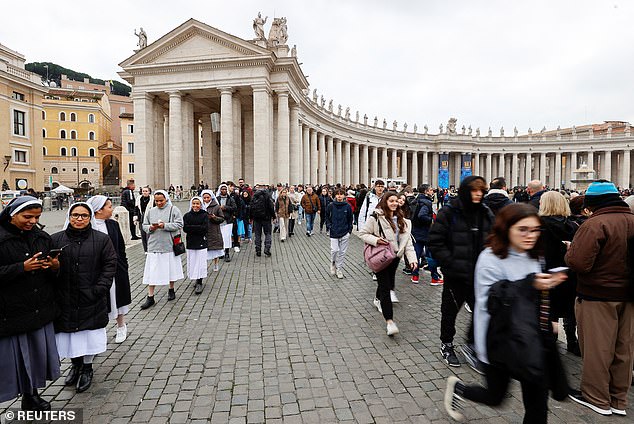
x=487 y=63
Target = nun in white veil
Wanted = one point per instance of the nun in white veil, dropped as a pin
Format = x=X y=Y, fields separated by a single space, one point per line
x=120 y=296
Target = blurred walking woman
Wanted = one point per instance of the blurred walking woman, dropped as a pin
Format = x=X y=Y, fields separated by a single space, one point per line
x=513 y=334
x=27 y=305
x=387 y=225
x=88 y=264
x=120 y=297
x=162 y=222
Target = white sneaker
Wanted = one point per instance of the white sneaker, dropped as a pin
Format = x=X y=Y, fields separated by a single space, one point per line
x=621 y=412
x=236 y=249
x=393 y=296
x=216 y=268
x=377 y=303
x=122 y=334
x=392 y=329
x=339 y=274
x=333 y=269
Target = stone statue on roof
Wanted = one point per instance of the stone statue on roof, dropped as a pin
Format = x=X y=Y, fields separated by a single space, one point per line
x=278 y=35
x=258 y=26
x=515 y=131
x=405 y=127
x=357 y=117
x=365 y=119
x=339 y=110
x=451 y=126
x=294 y=51
x=502 y=132
x=376 y=121
x=330 y=106
x=384 y=123
x=322 y=101
x=470 y=130
x=142 y=43
x=415 y=128
x=347 y=115
x=394 y=125
x=478 y=132
x=464 y=129
x=426 y=128
x=314 y=95
x=490 y=133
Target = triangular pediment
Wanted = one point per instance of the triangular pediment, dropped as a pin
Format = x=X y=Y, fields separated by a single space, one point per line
x=194 y=41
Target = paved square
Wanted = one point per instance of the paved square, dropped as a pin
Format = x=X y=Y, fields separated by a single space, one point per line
x=280 y=340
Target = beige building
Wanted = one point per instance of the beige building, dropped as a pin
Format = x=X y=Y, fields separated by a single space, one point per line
x=127 y=147
x=21 y=95
x=260 y=121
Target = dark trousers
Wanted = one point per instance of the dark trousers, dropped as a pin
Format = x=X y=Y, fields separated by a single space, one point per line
x=234 y=235
x=454 y=295
x=322 y=222
x=259 y=227
x=534 y=397
x=291 y=227
x=144 y=240
x=385 y=283
x=132 y=225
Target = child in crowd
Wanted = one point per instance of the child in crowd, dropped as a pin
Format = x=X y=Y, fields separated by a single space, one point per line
x=339 y=218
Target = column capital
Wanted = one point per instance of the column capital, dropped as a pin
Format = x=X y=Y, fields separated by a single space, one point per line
x=282 y=92
x=144 y=95
x=261 y=88
x=225 y=90
x=174 y=93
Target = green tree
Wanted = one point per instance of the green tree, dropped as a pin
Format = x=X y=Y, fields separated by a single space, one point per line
x=55 y=72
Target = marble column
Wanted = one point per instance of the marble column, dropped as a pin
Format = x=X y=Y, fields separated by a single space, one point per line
x=226 y=134
x=542 y=168
x=175 y=138
x=384 y=163
x=456 y=174
x=237 y=138
x=354 y=178
x=338 y=161
x=160 y=153
x=364 y=178
x=283 y=138
x=295 y=146
x=188 y=142
x=394 y=165
x=501 y=167
x=625 y=169
x=414 y=179
x=166 y=148
x=557 y=170
x=515 y=171
x=374 y=163
x=590 y=162
x=261 y=135
x=573 y=168
x=424 y=175
x=314 y=157
x=475 y=164
x=404 y=165
x=330 y=149
x=144 y=138
x=529 y=175
x=434 y=169
x=488 y=166
x=306 y=150
x=321 y=137
x=208 y=141
x=346 y=163
x=607 y=165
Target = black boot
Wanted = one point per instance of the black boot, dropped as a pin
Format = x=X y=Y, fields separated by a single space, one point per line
x=34 y=402
x=198 y=288
x=75 y=369
x=291 y=227
x=171 y=294
x=227 y=256
x=148 y=302
x=85 y=378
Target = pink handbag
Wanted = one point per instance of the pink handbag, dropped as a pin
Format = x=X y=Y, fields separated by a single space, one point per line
x=380 y=256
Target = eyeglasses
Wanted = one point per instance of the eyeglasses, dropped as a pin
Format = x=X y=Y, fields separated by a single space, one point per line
x=525 y=231
x=79 y=215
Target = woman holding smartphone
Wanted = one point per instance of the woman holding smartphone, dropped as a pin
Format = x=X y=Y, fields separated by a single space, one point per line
x=27 y=337
x=513 y=257
x=88 y=265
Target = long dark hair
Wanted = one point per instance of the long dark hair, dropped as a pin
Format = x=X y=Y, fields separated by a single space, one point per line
x=508 y=216
x=400 y=218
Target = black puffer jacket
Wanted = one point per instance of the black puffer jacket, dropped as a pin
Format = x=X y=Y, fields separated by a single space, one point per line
x=196 y=225
x=121 y=277
x=458 y=235
x=27 y=299
x=88 y=265
x=496 y=199
x=230 y=208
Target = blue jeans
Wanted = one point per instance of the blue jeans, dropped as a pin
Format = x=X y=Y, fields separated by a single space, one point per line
x=421 y=249
x=310 y=220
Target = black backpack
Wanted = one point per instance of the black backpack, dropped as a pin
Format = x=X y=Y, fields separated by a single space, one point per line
x=414 y=208
x=258 y=206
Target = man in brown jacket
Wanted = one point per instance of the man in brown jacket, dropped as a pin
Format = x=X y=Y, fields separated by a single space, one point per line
x=310 y=203
x=605 y=300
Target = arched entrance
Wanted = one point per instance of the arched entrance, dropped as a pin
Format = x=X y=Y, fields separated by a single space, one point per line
x=110 y=170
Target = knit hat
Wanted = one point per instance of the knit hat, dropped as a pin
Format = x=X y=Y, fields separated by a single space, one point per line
x=599 y=193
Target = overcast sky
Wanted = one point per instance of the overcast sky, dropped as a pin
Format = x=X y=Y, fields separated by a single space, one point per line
x=487 y=63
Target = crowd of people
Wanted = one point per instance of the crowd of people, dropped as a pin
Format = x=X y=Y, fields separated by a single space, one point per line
x=517 y=261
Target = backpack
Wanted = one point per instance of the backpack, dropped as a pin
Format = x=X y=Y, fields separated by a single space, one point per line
x=258 y=206
x=414 y=207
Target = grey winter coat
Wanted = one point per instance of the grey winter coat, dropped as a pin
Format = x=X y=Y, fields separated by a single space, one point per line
x=160 y=240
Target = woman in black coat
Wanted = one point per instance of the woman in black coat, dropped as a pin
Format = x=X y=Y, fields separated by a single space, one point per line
x=120 y=296
x=27 y=305
x=196 y=225
x=88 y=265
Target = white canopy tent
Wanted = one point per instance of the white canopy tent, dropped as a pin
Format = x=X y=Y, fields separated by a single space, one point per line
x=62 y=189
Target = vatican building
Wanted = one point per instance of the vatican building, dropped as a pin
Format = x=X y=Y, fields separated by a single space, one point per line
x=209 y=106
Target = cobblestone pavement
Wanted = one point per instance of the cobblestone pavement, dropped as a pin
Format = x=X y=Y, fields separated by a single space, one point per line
x=280 y=340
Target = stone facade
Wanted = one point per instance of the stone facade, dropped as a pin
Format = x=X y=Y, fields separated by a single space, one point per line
x=271 y=128
x=21 y=95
